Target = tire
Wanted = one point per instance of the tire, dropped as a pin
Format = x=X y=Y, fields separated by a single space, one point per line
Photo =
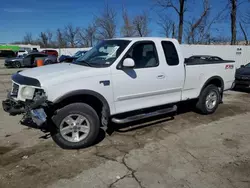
x=68 y=141
x=209 y=106
x=16 y=64
x=48 y=62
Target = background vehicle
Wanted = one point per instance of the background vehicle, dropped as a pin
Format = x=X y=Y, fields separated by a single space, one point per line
x=7 y=53
x=69 y=59
x=50 y=52
x=34 y=50
x=118 y=80
x=22 y=52
x=242 y=77
x=29 y=60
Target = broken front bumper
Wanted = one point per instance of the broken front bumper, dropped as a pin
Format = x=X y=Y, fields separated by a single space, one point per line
x=32 y=110
x=13 y=107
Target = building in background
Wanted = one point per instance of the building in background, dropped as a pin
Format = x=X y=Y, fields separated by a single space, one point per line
x=17 y=47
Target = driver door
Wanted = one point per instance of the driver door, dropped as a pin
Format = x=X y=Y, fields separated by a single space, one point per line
x=143 y=85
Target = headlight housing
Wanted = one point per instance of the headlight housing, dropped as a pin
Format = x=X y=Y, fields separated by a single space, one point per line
x=28 y=92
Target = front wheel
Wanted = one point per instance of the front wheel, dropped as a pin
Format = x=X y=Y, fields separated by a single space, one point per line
x=209 y=100
x=16 y=64
x=76 y=126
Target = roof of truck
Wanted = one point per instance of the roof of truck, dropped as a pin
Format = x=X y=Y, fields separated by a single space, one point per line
x=144 y=38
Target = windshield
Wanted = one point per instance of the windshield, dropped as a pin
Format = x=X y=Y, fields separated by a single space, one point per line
x=22 y=56
x=247 y=65
x=103 y=54
x=77 y=54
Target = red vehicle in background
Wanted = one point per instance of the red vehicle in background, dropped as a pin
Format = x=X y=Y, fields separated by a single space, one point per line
x=50 y=52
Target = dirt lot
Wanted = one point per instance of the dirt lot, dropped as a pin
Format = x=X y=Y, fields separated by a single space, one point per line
x=188 y=150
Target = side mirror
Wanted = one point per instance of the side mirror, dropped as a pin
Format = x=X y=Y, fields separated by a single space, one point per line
x=242 y=66
x=128 y=63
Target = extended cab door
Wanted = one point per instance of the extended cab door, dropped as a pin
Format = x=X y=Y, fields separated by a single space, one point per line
x=150 y=83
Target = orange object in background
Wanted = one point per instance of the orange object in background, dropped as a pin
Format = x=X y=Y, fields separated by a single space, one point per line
x=39 y=62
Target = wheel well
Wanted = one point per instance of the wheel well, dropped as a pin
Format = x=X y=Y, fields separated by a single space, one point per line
x=217 y=81
x=101 y=108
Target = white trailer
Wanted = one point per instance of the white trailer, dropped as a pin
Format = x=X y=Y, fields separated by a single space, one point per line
x=239 y=54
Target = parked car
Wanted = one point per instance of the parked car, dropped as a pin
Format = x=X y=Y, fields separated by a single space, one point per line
x=29 y=60
x=242 y=77
x=69 y=59
x=21 y=53
x=34 y=50
x=50 y=52
x=119 y=80
x=7 y=53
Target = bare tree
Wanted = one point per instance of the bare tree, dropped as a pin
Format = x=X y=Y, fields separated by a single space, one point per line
x=43 y=40
x=179 y=7
x=166 y=25
x=233 y=15
x=91 y=35
x=46 y=39
x=215 y=19
x=87 y=36
x=244 y=33
x=220 y=40
x=50 y=38
x=199 y=24
x=61 y=42
x=247 y=17
x=173 y=30
x=141 y=25
x=27 y=39
x=71 y=33
x=127 y=29
x=106 y=23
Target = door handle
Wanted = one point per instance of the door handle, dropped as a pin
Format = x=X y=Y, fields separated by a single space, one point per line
x=161 y=76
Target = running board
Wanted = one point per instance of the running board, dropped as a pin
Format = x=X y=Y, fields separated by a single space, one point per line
x=145 y=115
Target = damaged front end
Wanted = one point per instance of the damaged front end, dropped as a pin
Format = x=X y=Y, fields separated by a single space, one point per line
x=33 y=110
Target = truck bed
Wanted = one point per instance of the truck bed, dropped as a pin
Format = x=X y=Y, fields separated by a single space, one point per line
x=199 y=71
x=205 y=62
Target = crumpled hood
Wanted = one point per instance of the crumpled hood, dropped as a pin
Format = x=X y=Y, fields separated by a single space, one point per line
x=62 y=72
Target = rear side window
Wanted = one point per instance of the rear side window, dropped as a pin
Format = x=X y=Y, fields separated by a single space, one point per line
x=170 y=52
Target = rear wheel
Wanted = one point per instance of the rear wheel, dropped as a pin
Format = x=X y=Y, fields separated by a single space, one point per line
x=209 y=100
x=76 y=126
x=48 y=62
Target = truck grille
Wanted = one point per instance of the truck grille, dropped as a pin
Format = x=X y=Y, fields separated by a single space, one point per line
x=14 y=91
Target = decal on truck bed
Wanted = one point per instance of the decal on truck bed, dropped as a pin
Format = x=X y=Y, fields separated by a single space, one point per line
x=229 y=66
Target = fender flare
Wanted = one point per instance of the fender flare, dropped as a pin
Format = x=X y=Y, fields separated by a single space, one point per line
x=85 y=92
x=213 y=78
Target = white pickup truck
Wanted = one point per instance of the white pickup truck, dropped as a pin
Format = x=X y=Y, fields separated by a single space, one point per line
x=119 y=80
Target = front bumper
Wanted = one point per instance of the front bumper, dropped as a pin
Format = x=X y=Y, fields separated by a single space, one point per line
x=12 y=107
x=8 y=63
x=242 y=83
x=33 y=111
